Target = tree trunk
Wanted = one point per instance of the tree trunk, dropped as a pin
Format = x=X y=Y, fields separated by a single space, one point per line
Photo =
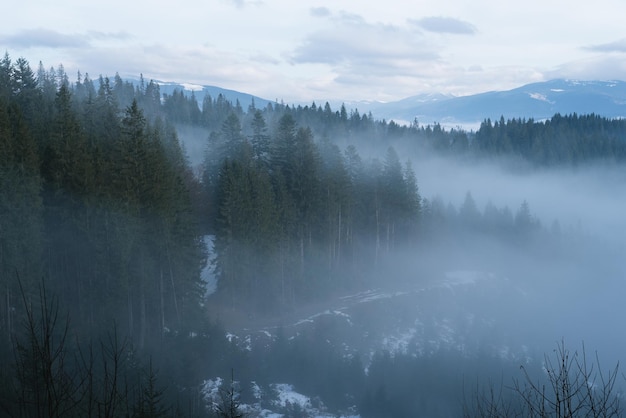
x=377 y=248
x=130 y=312
x=169 y=263
x=143 y=319
x=162 y=300
x=339 y=234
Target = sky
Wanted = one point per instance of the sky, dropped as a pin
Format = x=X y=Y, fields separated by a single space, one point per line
x=305 y=50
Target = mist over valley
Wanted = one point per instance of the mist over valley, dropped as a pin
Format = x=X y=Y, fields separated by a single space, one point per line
x=164 y=253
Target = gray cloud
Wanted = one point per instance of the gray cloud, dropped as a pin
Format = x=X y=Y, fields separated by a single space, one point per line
x=440 y=24
x=616 y=46
x=359 y=43
x=351 y=18
x=604 y=67
x=194 y=64
x=33 y=38
x=368 y=57
x=319 y=11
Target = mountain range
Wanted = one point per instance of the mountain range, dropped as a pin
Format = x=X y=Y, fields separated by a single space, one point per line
x=537 y=101
x=200 y=91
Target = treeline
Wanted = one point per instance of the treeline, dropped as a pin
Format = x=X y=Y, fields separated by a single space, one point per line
x=101 y=209
x=98 y=191
x=443 y=219
x=96 y=199
x=295 y=218
x=97 y=212
x=100 y=206
x=99 y=199
x=561 y=140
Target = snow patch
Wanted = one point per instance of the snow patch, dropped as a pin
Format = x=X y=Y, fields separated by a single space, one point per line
x=192 y=87
x=304 y=321
x=312 y=318
x=288 y=396
x=343 y=315
x=207 y=275
x=540 y=96
x=256 y=390
x=367 y=296
x=211 y=391
x=247 y=341
x=399 y=344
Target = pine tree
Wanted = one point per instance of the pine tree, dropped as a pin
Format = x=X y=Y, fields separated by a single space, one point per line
x=393 y=196
x=67 y=171
x=412 y=206
x=260 y=139
x=337 y=200
x=150 y=402
x=20 y=212
x=468 y=213
x=6 y=77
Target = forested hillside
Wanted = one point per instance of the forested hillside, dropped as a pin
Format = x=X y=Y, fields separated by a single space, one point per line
x=96 y=212
x=96 y=200
x=101 y=211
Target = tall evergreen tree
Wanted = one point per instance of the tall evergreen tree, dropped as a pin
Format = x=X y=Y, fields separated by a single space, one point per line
x=20 y=213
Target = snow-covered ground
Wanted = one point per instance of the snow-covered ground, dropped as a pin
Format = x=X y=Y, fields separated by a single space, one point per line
x=452 y=313
x=464 y=312
x=277 y=402
x=208 y=272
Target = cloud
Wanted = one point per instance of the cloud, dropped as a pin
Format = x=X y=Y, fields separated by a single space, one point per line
x=47 y=38
x=440 y=24
x=616 y=46
x=357 y=44
x=603 y=67
x=319 y=12
x=383 y=61
x=367 y=59
x=348 y=18
x=202 y=64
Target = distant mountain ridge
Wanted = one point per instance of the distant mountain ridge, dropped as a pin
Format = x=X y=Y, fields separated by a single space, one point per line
x=537 y=100
x=200 y=91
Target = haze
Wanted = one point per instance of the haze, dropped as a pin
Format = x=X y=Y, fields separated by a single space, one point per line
x=341 y=51
x=358 y=267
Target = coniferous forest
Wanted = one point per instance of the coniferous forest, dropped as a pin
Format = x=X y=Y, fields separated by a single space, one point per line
x=104 y=223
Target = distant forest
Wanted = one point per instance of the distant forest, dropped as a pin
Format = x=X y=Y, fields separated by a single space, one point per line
x=566 y=140
x=101 y=210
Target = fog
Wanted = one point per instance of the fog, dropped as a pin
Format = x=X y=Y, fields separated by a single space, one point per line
x=470 y=292
x=575 y=294
x=590 y=197
x=271 y=255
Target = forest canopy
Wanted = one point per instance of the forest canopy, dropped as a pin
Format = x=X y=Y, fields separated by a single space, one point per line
x=101 y=207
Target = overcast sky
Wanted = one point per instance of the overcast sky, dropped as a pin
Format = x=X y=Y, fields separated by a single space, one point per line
x=303 y=50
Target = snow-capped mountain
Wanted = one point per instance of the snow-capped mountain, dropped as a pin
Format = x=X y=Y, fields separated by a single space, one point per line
x=537 y=100
x=200 y=91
